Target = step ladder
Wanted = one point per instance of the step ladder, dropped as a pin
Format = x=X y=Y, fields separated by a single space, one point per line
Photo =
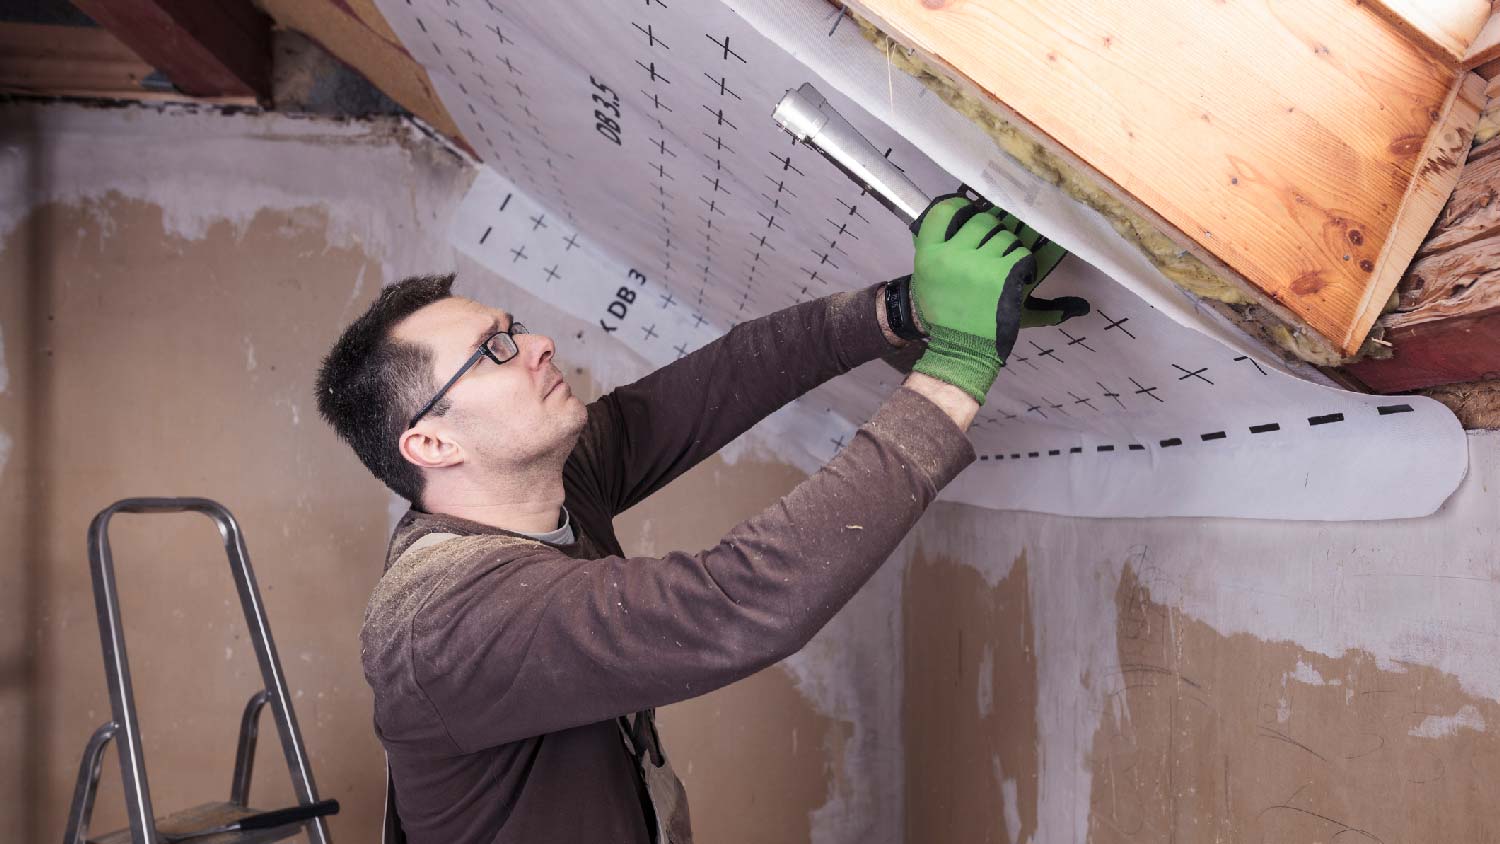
x=145 y=827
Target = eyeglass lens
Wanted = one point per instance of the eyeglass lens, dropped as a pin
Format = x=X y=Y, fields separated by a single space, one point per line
x=503 y=345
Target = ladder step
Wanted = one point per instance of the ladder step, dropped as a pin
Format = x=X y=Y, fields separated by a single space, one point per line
x=207 y=816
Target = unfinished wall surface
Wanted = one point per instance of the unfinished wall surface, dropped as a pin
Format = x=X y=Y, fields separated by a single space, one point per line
x=1205 y=680
x=168 y=282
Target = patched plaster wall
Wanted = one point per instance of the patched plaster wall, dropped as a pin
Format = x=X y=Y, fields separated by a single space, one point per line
x=1206 y=680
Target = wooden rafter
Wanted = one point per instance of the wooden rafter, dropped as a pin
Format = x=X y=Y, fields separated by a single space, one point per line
x=220 y=48
x=1447 y=28
x=69 y=61
x=1483 y=55
x=1446 y=327
x=1300 y=151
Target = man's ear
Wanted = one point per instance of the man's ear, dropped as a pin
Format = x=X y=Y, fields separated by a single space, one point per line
x=428 y=448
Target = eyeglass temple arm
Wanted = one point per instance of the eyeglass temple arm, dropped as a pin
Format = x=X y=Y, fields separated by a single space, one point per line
x=482 y=351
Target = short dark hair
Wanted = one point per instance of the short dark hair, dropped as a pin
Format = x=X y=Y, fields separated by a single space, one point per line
x=371 y=384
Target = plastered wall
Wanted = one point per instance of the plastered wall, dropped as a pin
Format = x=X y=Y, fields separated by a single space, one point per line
x=168 y=282
x=1206 y=680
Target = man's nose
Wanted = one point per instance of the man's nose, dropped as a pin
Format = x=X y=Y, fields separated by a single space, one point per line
x=537 y=349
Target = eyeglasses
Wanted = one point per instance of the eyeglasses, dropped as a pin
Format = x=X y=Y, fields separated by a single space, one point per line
x=498 y=347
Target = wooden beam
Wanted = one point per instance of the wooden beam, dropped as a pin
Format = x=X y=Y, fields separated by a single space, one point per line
x=1472 y=213
x=1448 y=28
x=207 y=48
x=1448 y=147
x=1301 y=151
x=68 y=60
x=1489 y=69
x=1446 y=326
x=1485 y=48
x=1451 y=351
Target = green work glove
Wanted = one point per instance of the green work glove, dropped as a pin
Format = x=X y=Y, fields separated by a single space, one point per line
x=967 y=284
x=1036 y=311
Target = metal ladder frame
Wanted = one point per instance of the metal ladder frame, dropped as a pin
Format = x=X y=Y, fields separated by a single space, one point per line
x=125 y=723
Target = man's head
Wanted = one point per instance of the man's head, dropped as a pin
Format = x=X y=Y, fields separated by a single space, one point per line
x=494 y=420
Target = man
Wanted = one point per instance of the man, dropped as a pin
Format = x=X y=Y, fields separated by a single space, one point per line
x=515 y=652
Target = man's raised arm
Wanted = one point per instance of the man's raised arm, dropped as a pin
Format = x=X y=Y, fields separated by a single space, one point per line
x=641 y=436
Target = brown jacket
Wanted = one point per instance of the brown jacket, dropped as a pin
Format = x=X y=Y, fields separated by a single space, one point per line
x=500 y=664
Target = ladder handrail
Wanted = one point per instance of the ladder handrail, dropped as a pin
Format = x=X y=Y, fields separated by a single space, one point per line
x=244 y=751
x=81 y=812
x=117 y=670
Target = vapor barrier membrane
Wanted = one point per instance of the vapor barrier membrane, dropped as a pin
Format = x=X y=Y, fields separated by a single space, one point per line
x=634 y=178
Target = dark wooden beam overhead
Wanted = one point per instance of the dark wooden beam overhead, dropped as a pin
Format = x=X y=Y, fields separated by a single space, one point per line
x=207 y=48
x=78 y=61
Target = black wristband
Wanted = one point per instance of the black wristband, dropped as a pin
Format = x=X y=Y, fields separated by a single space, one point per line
x=898 y=312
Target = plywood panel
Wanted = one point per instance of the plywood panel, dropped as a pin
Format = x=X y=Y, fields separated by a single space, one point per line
x=1301 y=149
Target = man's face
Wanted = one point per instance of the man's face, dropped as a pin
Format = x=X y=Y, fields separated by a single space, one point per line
x=503 y=416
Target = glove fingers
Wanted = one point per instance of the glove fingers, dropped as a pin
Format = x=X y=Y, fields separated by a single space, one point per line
x=1008 y=306
x=998 y=243
x=932 y=226
x=1019 y=228
x=1026 y=297
x=1041 y=312
x=1047 y=253
x=970 y=226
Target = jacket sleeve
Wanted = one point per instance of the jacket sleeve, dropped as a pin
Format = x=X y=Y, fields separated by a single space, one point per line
x=640 y=437
x=542 y=643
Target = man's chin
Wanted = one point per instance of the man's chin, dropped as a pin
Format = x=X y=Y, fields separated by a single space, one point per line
x=576 y=412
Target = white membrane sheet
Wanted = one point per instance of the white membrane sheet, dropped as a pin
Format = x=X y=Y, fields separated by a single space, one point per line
x=636 y=180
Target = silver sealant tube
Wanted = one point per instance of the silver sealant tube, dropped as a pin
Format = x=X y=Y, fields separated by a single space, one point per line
x=810 y=118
